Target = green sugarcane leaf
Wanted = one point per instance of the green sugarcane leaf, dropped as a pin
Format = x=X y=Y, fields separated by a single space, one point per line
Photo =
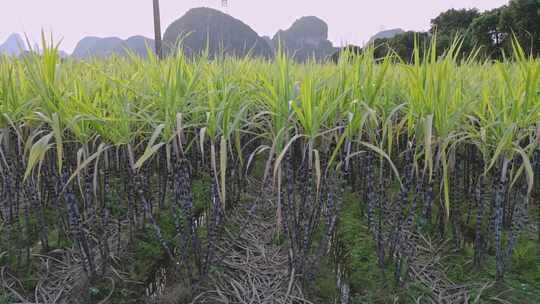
x=148 y=153
x=428 y=134
x=2 y=156
x=317 y=168
x=57 y=130
x=384 y=155
x=223 y=167
x=155 y=135
x=54 y=123
x=30 y=140
x=528 y=168
x=151 y=149
x=446 y=183
x=257 y=151
x=277 y=163
x=37 y=152
x=202 y=133
x=503 y=145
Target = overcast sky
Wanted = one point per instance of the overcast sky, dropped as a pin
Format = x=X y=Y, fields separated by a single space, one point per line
x=350 y=21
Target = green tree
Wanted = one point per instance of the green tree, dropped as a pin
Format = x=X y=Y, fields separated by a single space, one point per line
x=452 y=23
x=522 y=18
x=402 y=44
x=487 y=33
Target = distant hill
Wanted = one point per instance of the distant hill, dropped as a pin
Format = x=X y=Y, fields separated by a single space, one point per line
x=103 y=47
x=138 y=45
x=386 y=34
x=306 y=38
x=13 y=46
x=83 y=47
x=269 y=42
x=202 y=27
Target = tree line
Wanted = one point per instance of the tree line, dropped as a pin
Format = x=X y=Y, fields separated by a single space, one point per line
x=487 y=34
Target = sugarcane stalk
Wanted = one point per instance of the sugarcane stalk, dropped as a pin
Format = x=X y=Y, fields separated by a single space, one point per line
x=288 y=209
x=500 y=192
x=139 y=180
x=479 y=197
x=455 y=205
x=402 y=200
x=519 y=221
x=40 y=214
x=371 y=193
x=75 y=227
x=214 y=223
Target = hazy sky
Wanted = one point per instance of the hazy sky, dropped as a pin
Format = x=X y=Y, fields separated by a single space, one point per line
x=351 y=21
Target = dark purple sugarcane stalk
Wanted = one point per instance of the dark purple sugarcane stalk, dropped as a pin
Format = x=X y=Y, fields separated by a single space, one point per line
x=146 y=193
x=441 y=218
x=88 y=213
x=188 y=211
x=455 y=202
x=313 y=221
x=131 y=212
x=302 y=208
x=409 y=226
x=49 y=180
x=401 y=252
x=479 y=197
x=519 y=221
x=362 y=163
x=500 y=192
x=183 y=243
x=402 y=199
x=8 y=190
x=165 y=178
x=106 y=200
x=307 y=205
x=12 y=175
x=334 y=203
x=184 y=204
x=371 y=194
x=37 y=206
x=3 y=198
x=214 y=223
x=74 y=220
x=469 y=170
x=18 y=165
x=104 y=240
x=536 y=167
x=288 y=208
x=139 y=180
x=384 y=214
x=428 y=200
x=405 y=250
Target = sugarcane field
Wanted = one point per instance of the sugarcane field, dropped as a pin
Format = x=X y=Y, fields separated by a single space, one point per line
x=370 y=176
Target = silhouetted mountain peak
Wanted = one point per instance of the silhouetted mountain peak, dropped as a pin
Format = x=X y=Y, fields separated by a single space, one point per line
x=102 y=47
x=386 y=34
x=204 y=27
x=13 y=46
x=306 y=38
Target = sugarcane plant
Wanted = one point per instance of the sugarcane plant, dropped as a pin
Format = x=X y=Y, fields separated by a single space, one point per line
x=102 y=161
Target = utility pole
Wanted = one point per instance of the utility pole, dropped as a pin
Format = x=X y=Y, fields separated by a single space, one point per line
x=157 y=29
